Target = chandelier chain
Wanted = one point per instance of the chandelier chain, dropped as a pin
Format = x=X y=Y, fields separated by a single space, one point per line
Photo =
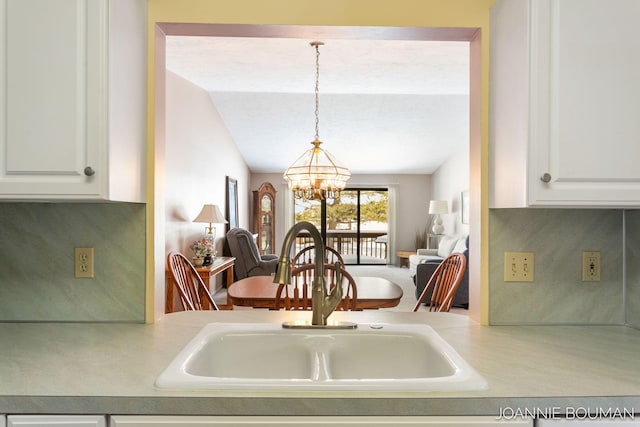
x=317 y=90
x=316 y=175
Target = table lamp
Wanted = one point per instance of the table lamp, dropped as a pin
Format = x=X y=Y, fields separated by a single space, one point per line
x=438 y=207
x=212 y=215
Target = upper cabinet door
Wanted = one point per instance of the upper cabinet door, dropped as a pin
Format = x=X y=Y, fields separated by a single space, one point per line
x=570 y=114
x=49 y=82
x=56 y=94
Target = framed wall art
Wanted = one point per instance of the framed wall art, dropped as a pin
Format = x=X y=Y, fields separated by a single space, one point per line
x=464 y=206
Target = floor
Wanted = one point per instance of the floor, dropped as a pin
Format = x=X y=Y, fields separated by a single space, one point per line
x=398 y=275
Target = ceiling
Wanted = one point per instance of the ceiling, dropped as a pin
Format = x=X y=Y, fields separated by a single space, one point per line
x=386 y=107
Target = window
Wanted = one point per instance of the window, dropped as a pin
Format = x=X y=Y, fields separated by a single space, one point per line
x=356 y=224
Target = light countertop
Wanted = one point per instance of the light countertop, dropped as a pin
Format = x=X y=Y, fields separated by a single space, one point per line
x=111 y=369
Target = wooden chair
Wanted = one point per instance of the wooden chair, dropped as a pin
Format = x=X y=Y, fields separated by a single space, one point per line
x=190 y=286
x=307 y=255
x=297 y=296
x=444 y=281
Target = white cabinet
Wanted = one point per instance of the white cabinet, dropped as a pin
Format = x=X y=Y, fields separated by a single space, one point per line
x=602 y=422
x=56 y=420
x=73 y=99
x=317 y=421
x=564 y=109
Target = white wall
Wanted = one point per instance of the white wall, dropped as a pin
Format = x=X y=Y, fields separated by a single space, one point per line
x=200 y=153
x=447 y=183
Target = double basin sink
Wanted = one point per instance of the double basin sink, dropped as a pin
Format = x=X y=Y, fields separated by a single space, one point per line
x=224 y=356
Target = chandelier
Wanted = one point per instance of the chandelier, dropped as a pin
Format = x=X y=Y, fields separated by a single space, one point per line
x=317 y=175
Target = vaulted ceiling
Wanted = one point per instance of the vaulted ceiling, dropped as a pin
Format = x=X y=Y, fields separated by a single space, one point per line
x=386 y=106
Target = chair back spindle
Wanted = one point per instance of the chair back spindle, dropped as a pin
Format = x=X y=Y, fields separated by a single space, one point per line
x=307 y=255
x=444 y=282
x=297 y=295
x=192 y=290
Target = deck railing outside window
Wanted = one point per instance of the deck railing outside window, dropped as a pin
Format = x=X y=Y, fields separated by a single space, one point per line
x=373 y=250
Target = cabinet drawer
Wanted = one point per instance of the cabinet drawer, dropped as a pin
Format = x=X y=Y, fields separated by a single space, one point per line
x=56 y=420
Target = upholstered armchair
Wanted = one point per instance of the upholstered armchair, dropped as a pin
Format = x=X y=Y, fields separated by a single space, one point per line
x=249 y=262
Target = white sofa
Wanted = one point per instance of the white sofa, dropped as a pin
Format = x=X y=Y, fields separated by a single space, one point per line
x=446 y=246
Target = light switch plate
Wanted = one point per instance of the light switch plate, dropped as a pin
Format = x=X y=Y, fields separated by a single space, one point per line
x=519 y=266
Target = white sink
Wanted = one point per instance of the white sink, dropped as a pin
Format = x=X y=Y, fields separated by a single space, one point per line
x=371 y=357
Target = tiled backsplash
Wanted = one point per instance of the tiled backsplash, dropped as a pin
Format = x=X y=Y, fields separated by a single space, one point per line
x=633 y=268
x=557 y=295
x=38 y=239
x=37 y=280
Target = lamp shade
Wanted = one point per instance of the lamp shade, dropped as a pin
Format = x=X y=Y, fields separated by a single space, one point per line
x=316 y=174
x=437 y=207
x=210 y=214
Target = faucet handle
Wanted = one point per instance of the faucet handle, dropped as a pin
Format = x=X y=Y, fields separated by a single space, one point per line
x=338 y=268
x=334 y=298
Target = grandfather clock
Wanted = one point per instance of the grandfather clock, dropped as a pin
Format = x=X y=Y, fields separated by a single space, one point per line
x=264 y=223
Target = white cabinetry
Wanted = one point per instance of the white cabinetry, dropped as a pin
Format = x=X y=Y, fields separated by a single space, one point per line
x=565 y=103
x=603 y=422
x=73 y=99
x=56 y=420
x=317 y=421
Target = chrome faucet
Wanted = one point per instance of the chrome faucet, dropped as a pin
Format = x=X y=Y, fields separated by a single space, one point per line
x=322 y=304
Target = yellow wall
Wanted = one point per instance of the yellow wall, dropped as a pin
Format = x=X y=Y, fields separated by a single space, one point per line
x=396 y=13
x=402 y=13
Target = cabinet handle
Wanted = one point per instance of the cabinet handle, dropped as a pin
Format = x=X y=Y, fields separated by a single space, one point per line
x=545 y=178
x=88 y=171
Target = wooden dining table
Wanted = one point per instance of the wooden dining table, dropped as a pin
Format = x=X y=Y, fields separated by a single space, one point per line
x=260 y=292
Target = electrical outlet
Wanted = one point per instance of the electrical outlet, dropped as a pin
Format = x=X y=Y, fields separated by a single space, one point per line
x=518 y=266
x=84 y=263
x=590 y=266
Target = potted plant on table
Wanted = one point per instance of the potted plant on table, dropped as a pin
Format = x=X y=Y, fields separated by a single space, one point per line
x=204 y=250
